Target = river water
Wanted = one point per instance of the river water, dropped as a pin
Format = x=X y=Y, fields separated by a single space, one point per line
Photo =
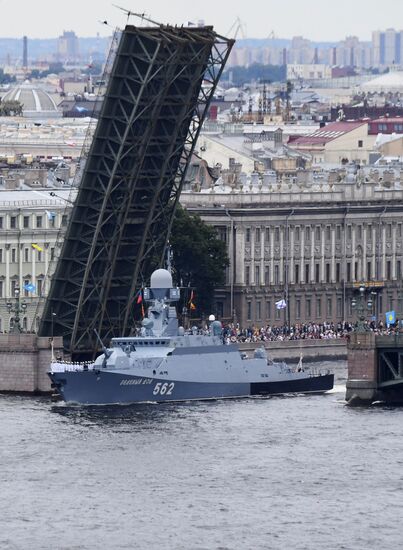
x=298 y=472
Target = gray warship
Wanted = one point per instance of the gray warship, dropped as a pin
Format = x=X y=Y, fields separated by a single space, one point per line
x=166 y=363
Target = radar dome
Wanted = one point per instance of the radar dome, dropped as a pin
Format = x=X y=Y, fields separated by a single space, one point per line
x=161 y=278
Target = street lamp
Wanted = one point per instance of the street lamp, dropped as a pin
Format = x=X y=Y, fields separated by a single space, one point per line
x=17 y=308
x=359 y=305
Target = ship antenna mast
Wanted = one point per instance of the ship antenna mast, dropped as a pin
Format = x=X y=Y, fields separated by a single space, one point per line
x=169 y=258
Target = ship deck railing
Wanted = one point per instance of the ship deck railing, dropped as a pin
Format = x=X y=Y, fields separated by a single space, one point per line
x=66 y=366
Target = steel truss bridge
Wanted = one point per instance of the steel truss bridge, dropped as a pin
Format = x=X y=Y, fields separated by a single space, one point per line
x=157 y=97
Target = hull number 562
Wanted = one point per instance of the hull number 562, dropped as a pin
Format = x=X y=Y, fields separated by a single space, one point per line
x=163 y=388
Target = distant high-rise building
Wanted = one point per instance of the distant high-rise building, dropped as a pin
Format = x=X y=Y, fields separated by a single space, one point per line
x=68 y=46
x=387 y=47
x=24 y=52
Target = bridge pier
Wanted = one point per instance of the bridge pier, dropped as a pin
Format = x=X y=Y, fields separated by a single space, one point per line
x=362 y=386
x=375 y=368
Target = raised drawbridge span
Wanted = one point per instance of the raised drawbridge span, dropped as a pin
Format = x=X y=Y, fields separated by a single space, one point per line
x=159 y=90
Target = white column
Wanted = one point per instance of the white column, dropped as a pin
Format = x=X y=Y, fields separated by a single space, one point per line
x=302 y=268
x=239 y=275
x=291 y=256
x=272 y=255
x=383 y=257
x=333 y=255
x=322 y=254
x=353 y=252
x=373 y=264
x=394 y=251
x=262 y=267
x=252 y=256
x=7 y=292
x=281 y=255
x=364 y=252
x=312 y=254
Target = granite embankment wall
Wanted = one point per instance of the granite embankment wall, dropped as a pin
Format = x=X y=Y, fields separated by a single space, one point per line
x=291 y=350
x=24 y=360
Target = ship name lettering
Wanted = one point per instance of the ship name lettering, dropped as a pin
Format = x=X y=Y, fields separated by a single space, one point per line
x=135 y=381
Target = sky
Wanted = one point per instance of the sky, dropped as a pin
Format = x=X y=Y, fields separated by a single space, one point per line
x=319 y=20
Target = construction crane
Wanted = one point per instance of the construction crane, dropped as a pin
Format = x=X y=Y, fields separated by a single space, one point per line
x=239 y=27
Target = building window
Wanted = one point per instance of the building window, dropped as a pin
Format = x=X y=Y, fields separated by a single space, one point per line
x=349 y=232
x=267 y=275
x=26 y=282
x=298 y=308
x=296 y=273
x=13 y=287
x=249 y=310
x=348 y=272
x=318 y=307
x=52 y=253
x=356 y=277
x=64 y=220
x=297 y=234
x=39 y=256
x=389 y=230
x=338 y=232
x=1 y=222
x=1 y=255
x=328 y=233
x=277 y=234
x=220 y=310
x=368 y=271
x=388 y=270
x=359 y=230
x=369 y=233
x=13 y=222
x=258 y=310
x=257 y=275
x=317 y=233
x=399 y=230
x=276 y=275
x=268 y=309
x=329 y=308
x=1 y=289
x=257 y=235
x=278 y=314
x=26 y=222
x=390 y=303
x=13 y=255
x=307 y=278
x=307 y=233
x=317 y=273
x=328 y=273
x=39 y=222
x=247 y=275
x=339 y=307
x=360 y=143
x=399 y=269
x=308 y=308
x=26 y=254
x=39 y=287
x=267 y=235
x=338 y=272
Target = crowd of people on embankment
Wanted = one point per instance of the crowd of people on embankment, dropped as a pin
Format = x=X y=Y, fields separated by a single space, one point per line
x=301 y=331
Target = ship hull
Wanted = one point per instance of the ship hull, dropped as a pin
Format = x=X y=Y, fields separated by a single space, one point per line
x=103 y=388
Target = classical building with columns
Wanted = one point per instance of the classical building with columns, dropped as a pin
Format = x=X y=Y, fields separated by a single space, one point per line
x=29 y=217
x=312 y=239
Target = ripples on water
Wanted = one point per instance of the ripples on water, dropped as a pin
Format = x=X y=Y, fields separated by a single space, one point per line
x=301 y=472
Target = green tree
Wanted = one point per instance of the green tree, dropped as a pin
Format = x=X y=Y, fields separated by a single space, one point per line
x=199 y=260
x=6 y=78
x=11 y=108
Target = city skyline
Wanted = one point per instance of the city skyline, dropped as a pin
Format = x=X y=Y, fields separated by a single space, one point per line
x=259 y=20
